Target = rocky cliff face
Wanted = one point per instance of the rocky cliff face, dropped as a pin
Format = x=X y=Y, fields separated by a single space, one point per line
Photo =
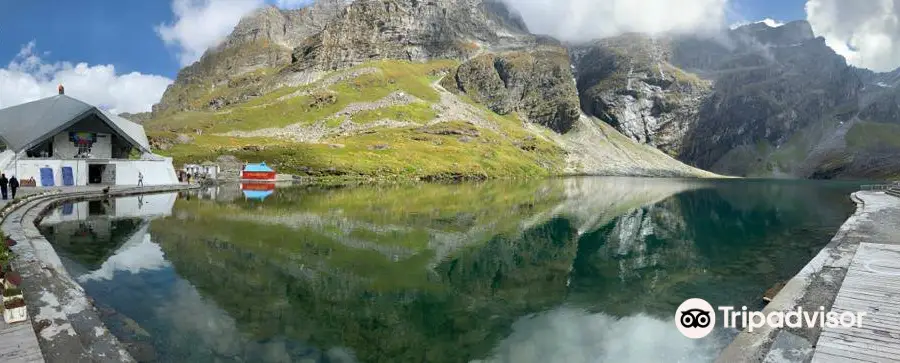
x=287 y=28
x=629 y=82
x=262 y=40
x=757 y=101
x=536 y=83
x=336 y=34
x=409 y=30
x=774 y=83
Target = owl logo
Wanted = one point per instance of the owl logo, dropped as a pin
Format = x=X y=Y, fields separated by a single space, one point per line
x=695 y=318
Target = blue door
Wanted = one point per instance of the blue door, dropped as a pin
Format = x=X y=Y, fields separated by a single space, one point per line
x=68 y=178
x=47 y=177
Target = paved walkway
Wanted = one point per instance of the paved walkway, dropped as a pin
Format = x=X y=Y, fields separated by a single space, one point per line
x=21 y=193
x=872 y=285
x=19 y=342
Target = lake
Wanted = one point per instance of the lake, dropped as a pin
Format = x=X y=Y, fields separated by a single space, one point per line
x=561 y=270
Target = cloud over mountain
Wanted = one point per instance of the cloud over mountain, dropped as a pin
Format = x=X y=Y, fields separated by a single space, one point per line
x=28 y=77
x=201 y=24
x=580 y=20
x=866 y=32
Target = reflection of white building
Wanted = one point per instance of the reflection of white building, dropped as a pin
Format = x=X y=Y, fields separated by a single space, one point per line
x=124 y=222
x=59 y=140
x=141 y=206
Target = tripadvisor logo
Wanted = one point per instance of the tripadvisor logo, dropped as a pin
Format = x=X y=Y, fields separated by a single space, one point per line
x=696 y=318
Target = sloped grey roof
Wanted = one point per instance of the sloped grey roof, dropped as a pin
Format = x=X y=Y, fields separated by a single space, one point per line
x=26 y=125
x=133 y=131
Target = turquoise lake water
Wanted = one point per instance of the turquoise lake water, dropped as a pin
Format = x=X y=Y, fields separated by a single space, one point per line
x=563 y=270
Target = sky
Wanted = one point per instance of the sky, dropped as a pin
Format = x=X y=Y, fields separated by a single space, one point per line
x=754 y=10
x=122 y=54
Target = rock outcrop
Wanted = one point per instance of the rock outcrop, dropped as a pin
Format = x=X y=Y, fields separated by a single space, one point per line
x=286 y=28
x=335 y=34
x=755 y=101
x=772 y=85
x=629 y=82
x=410 y=30
x=262 y=40
x=537 y=84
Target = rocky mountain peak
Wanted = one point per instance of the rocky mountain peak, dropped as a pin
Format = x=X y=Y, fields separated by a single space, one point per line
x=788 y=34
x=505 y=14
x=335 y=34
x=412 y=30
x=266 y=23
x=287 y=28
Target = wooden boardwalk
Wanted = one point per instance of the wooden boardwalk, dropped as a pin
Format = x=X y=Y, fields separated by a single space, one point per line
x=872 y=285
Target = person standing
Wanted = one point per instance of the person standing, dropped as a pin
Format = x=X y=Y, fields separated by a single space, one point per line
x=13 y=185
x=4 y=184
x=140 y=179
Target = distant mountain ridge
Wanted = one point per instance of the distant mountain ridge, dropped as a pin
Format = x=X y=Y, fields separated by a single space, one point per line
x=757 y=101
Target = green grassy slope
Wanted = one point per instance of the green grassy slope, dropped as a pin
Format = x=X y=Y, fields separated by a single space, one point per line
x=384 y=119
x=451 y=149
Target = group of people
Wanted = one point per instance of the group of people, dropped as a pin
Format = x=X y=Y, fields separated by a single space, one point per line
x=186 y=177
x=8 y=185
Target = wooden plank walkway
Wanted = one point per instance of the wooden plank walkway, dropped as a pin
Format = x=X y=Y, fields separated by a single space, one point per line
x=872 y=285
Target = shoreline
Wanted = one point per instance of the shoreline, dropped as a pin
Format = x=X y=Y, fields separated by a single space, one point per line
x=66 y=325
x=817 y=284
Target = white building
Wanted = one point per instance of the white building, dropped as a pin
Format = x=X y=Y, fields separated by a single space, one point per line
x=210 y=171
x=61 y=141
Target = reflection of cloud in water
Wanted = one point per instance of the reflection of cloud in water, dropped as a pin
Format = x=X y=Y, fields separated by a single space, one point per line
x=194 y=321
x=574 y=336
x=138 y=254
x=192 y=317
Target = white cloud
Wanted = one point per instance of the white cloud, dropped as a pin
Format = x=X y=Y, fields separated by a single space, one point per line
x=772 y=23
x=866 y=32
x=571 y=335
x=28 y=77
x=201 y=24
x=579 y=20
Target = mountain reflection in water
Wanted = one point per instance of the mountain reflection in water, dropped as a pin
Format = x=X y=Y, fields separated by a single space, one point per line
x=568 y=270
